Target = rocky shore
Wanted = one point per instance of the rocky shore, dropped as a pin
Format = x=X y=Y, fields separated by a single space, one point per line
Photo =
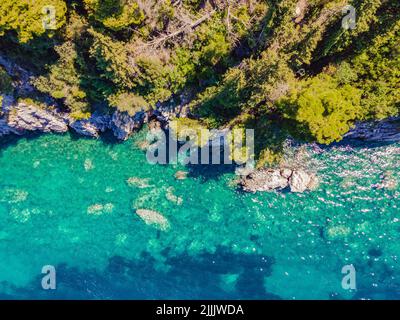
x=387 y=130
x=297 y=180
x=22 y=118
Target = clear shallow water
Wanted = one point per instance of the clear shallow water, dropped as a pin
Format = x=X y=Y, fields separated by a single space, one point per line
x=71 y=203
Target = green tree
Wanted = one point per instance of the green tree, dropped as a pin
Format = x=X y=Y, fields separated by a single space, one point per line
x=128 y=102
x=115 y=14
x=322 y=110
x=26 y=17
x=111 y=59
x=64 y=81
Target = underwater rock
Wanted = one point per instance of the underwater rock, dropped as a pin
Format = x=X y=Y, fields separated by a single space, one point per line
x=98 y=208
x=138 y=182
x=270 y=179
x=172 y=197
x=181 y=175
x=88 y=164
x=23 y=117
x=153 y=218
x=387 y=181
x=336 y=232
x=12 y=195
x=122 y=124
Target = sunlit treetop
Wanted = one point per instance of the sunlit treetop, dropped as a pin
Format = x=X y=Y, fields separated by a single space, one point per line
x=29 y=18
x=115 y=14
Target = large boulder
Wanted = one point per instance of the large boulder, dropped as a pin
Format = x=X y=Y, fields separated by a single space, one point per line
x=301 y=181
x=271 y=179
x=264 y=180
x=23 y=117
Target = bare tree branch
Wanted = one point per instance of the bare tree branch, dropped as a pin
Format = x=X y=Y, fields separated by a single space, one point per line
x=157 y=42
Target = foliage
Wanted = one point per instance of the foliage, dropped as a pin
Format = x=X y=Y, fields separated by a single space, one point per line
x=25 y=17
x=115 y=14
x=322 y=109
x=253 y=64
x=5 y=82
x=128 y=102
x=63 y=81
x=190 y=129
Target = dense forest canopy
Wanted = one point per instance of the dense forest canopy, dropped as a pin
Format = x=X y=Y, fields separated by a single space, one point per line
x=283 y=67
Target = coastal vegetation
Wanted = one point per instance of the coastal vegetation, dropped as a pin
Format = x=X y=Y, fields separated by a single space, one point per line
x=281 y=67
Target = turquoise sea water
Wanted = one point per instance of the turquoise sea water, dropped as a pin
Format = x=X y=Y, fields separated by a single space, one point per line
x=71 y=203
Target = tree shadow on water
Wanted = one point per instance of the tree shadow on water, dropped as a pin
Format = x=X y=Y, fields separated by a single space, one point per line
x=181 y=277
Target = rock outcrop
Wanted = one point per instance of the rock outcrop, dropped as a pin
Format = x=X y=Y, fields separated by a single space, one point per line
x=23 y=86
x=93 y=126
x=297 y=180
x=301 y=181
x=5 y=128
x=23 y=117
x=85 y=128
x=387 y=130
x=122 y=124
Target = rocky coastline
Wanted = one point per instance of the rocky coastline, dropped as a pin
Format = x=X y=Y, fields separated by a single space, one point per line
x=22 y=117
x=386 y=130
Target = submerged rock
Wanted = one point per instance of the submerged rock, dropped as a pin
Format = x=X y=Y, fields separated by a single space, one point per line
x=23 y=117
x=88 y=164
x=181 y=175
x=138 y=182
x=98 y=208
x=387 y=181
x=271 y=179
x=337 y=232
x=172 y=197
x=153 y=218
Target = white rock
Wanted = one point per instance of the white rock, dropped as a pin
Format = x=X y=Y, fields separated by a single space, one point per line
x=299 y=181
x=286 y=172
x=85 y=127
x=264 y=180
x=25 y=117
